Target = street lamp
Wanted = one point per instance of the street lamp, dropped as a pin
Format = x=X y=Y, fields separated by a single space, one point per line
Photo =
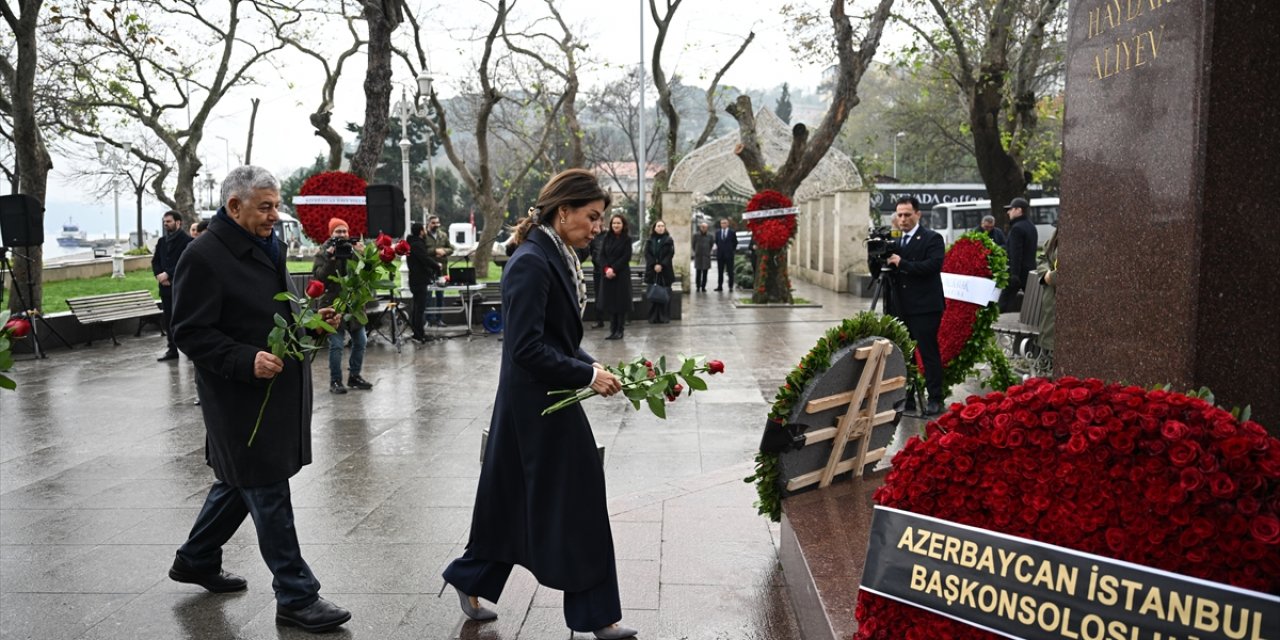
x=900 y=135
x=114 y=161
x=405 y=109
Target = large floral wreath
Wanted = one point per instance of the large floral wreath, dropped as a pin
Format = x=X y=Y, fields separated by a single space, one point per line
x=812 y=365
x=771 y=235
x=965 y=336
x=315 y=217
x=1151 y=477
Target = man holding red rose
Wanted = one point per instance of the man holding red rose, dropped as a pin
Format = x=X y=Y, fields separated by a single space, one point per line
x=224 y=305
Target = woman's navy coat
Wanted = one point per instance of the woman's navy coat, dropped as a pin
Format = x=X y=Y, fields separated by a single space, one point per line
x=541 y=497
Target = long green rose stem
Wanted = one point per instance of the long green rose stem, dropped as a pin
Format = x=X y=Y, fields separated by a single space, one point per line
x=588 y=392
x=262 y=409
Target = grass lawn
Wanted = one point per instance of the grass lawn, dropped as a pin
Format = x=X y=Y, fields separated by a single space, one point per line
x=56 y=293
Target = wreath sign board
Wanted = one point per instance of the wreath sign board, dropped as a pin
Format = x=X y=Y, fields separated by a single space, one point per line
x=839 y=412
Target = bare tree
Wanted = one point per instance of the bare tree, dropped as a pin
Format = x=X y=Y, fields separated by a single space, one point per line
x=253 y=121
x=31 y=157
x=322 y=117
x=569 y=48
x=805 y=152
x=491 y=184
x=615 y=113
x=1000 y=56
x=132 y=65
x=383 y=17
x=665 y=87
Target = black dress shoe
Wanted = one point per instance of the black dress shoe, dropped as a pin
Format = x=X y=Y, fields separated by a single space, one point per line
x=216 y=582
x=336 y=387
x=614 y=336
x=356 y=382
x=722 y=288
x=168 y=355
x=316 y=617
x=598 y=325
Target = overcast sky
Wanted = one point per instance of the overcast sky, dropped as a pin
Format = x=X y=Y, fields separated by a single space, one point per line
x=703 y=35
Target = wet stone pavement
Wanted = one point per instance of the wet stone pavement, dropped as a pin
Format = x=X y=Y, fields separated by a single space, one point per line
x=102 y=472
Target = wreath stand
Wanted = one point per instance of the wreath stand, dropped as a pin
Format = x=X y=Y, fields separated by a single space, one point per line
x=855 y=426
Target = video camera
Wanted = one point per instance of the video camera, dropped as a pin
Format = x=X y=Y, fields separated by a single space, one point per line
x=882 y=242
x=343 y=249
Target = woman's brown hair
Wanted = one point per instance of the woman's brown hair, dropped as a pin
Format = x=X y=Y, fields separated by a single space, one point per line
x=569 y=188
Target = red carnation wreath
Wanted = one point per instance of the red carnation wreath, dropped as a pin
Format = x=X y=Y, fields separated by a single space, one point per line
x=965 y=336
x=1151 y=477
x=315 y=217
x=771 y=236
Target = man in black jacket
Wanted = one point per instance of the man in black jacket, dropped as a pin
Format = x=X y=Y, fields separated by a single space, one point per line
x=422 y=270
x=1022 y=254
x=223 y=309
x=726 y=245
x=168 y=249
x=915 y=278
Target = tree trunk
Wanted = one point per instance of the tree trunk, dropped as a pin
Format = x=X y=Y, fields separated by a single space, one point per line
x=30 y=155
x=383 y=18
x=773 y=282
x=320 y=120
x=253 y=120
x=137 y=194
x=1001 y=172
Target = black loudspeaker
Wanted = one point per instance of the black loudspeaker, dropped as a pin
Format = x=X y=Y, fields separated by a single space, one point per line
x=20 y=221
x=384 y=204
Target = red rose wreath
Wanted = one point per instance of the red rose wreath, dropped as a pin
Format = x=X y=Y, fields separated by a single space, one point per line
x=1151 y=477
x=315 y=217
x=965 y=336
x=771 y=236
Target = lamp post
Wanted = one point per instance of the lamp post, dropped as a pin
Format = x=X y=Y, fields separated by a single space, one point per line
x=403 y=110
x=114 y=161
x=900 y=135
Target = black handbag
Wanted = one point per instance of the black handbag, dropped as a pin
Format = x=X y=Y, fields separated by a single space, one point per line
x=658 y=294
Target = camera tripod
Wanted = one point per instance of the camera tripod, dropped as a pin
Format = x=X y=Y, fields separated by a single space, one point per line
x=399 y=319
x=28 y=309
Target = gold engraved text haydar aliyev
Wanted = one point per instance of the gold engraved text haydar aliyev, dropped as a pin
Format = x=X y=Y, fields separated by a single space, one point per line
x=1128 y=51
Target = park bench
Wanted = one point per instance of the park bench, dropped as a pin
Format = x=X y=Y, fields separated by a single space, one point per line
x=110 y=307
x=1016 y=332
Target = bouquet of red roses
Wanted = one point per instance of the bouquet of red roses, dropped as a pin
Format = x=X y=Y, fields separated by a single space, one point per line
x=644 y=381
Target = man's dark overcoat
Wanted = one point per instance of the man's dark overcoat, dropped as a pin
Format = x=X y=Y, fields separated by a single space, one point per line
x=541 y=496
x=223 y=311
x=615 y=294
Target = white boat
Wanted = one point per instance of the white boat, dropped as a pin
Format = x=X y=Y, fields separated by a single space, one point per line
x=72 y=236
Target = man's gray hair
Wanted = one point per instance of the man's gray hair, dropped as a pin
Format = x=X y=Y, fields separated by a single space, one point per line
x=243 y=180
x=989 y=218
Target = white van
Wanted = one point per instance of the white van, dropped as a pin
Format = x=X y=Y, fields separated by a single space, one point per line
x=953 y=219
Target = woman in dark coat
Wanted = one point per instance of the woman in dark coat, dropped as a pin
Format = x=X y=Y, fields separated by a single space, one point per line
x=615 y=293
x=597 y=275
x=541 y=496
x=659 y=251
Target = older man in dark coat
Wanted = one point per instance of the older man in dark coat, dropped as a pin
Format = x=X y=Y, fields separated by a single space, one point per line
x=223 y=310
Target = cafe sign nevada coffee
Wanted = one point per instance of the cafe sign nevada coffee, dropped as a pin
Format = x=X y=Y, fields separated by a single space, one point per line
x=1021 y=588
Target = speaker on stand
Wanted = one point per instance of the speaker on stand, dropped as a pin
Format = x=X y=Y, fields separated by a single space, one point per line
x=21 y=226
x=384 y=204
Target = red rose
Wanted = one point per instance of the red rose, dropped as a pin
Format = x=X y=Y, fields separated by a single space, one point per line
x=1173 y=430
x=1190 y=478
x=18 y=327
x=973 y=411
x=402 y=248
x=383 y=241
x=387 y=254
x=1078 y=395
x=714 y=367
x=1265 y=529
x=315 y=289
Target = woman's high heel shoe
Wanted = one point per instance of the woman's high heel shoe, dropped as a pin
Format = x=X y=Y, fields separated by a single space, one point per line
x=615 y=632
x=478 y=612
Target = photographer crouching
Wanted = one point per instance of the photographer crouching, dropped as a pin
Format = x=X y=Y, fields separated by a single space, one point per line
x=332 y=259
x=914 y=294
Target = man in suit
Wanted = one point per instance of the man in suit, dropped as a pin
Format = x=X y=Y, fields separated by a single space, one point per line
x=223 y=308
x=168 y=249
x=915 y=278
x=1023 y=240
x=989 y=227
x=726 y=245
